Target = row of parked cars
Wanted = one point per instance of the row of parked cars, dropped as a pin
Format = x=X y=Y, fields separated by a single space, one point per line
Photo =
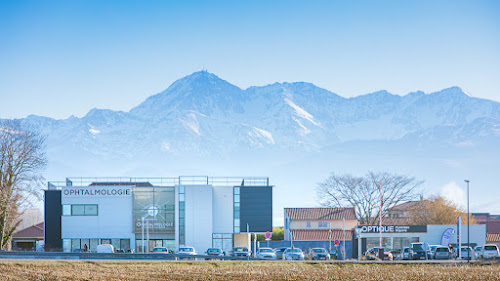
x=284 y=253
x=418 y=251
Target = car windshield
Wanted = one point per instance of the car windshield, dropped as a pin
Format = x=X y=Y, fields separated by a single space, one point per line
x=266 y=250
x=213 y=251
x=442 y=249
x=417 y=247
x=490 y=248
x=159 y=250
x=297 y=250
x=319 y=250
x=465 y=249
x=405 y=250
x=240 y=249
x=186 y=249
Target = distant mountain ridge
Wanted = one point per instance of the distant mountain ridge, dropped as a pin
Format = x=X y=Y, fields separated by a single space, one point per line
x=206 y=115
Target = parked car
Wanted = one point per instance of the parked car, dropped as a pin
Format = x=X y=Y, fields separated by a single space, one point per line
x=477 y=252
x=160 y=250
x=372 y=254
x=214 y=252
x=420 y=251
x=266 y=254
x=490 y=251
x=187 y=251
x=294 y=254
x=319 y=254
x=405 y=253
x=466 y=252
x=442 y=253
x=334 y=254
x=241 y=252
x=279 y=253
x=105 y=248
x=433 y=249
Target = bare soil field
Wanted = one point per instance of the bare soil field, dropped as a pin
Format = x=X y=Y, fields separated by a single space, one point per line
x=157 y=270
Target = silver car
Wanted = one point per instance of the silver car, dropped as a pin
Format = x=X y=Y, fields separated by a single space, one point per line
x=294 y=254
x=490 y=251
x=405 y=253
x=442 y=253
x=266 y=254
x=467 y=253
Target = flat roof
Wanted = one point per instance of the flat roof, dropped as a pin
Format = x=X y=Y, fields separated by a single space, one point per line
x=159 y=181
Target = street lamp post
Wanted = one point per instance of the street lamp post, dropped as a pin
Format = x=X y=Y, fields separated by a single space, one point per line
x=468 y=226
x=380 y=251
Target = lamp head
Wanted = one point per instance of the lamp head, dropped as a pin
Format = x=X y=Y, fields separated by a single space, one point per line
x=467 y=181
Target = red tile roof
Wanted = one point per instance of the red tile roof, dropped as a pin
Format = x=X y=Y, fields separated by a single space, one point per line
x=406 y=206
x=392 y=221
x=321 y=213
x=493 y=237
x=35 y=231
x=319 y=234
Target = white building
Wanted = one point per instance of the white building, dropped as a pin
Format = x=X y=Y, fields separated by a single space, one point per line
x=140 y=214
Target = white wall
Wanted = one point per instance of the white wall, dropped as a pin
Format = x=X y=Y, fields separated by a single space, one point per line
x=223 y=209
x=435 y=232
x=199 y=224
x=114 y=219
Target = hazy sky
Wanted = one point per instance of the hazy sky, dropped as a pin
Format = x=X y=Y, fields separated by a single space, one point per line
x=59 y=58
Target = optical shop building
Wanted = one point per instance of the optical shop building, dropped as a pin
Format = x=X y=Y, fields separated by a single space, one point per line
x=138 y=214
x=396 y=237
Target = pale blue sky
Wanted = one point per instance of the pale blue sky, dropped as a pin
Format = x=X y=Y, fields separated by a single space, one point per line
x=59 y=58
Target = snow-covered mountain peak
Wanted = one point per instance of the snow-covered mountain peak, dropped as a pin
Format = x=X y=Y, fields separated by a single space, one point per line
x=452 y=91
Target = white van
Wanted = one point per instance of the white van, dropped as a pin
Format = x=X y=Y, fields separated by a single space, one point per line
x=105 y=248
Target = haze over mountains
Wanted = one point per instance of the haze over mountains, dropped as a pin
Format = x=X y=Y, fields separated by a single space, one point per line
x=295 y=133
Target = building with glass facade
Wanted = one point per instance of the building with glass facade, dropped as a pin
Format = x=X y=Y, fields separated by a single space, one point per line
x=142 y=213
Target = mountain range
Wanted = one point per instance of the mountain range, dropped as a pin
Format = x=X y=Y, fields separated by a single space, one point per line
x=296 y=133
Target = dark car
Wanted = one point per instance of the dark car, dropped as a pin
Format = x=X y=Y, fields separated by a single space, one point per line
x=214 y=252
x=334 y=254
x=420 y=251
x=319 y=254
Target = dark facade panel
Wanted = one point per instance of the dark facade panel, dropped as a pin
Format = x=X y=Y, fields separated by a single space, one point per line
x=53 y=213
x=256 y=208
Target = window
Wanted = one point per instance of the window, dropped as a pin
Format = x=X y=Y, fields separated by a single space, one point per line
x=91 y=210
x=79 y=210
x=308 y=224
x=223 y=241
x=236 y=209
x=322 y=224
x=182 y=215
x=66 y=210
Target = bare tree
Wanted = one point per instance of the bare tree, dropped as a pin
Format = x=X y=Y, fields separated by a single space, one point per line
x=22 y=161
x=363 y=193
